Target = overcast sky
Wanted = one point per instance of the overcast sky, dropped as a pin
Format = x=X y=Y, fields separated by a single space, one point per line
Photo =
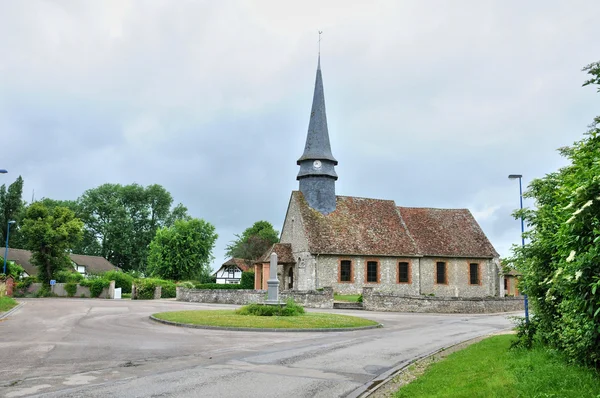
x=429 y=103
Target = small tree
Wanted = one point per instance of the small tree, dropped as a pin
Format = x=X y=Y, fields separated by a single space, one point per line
x=254 y=241
x=50 y=234
x=182 y=251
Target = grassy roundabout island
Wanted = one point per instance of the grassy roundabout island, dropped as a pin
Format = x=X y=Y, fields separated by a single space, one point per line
x=257 y=316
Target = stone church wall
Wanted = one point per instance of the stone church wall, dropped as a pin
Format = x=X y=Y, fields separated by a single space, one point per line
x=458 y=285
x=378 y=301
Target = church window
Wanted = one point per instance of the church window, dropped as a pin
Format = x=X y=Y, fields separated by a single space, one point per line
x=403 y=272
x=505 y=283
x=346 y=271
x=372 y=272
x=474 y=274
x=441 y=277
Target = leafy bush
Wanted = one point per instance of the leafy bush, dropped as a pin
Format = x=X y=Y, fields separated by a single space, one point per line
x=526 y=332
x=68 y=276
x=186 y=285
x=96 y=285
x=289 y=309
x=226 y=286
x=71 y=289
x=122 y=280
x=13 y=269
x=360 y=299
x=145 y=288
x=168 y=288
x=247 y=281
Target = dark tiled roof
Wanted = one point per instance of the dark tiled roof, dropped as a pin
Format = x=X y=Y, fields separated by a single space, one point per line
x=447 y=232
x=93 y=263
x=284 y=254
x=358 y=226
x=239 y=262
x=22 y=258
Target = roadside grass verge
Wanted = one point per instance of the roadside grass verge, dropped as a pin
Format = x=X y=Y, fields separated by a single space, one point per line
x=227 y=318
x=351 y=298
x=6 y=303
x=490 y=369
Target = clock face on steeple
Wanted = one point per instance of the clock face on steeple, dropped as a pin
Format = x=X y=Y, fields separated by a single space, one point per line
x=317 y=164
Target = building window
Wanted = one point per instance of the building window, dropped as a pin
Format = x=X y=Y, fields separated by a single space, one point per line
x=505 y=283
x=372 y=272
x=345 y=271
x=403 y=272
x=474 y=273
x=231 y=272
x=440 y=273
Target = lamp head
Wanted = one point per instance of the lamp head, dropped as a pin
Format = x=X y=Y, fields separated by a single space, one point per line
x=514 y=176
x=3 y=171
x=12 y=222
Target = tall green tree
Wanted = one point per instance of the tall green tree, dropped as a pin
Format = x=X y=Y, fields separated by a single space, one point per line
x=124 y=219
x=253 y=242
x=182 y=251
x=561 y=261
x=50 y=234
x=12 y=207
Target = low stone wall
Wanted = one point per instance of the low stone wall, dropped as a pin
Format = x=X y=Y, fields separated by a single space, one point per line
x=308 y=299
x=82 y=291
x=376 y=301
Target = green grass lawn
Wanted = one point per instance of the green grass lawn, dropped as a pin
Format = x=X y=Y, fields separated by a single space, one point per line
x=351 y=298
x=6 y=303
x=229 y=318
x=490 y=369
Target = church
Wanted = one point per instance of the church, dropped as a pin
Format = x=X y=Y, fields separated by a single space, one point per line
x=348 y=243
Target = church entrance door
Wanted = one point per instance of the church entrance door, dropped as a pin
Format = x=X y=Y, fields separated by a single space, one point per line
x=291 y=278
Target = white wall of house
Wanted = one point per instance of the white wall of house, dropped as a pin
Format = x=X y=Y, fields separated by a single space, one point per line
x=229 y=274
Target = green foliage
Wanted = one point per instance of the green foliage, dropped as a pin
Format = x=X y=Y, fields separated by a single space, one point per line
x=7 y=303
x=526 y=332
x=561 y=263
x=11 y=209
x=124 y=219
x=186 y=285
x=168 y=288
x=50 y=234
x=71 y=289
x=247 y=281
x=182 y=251
x=12 y=269
x=254 y=241
x=289 y=309
x=96 y=285
x=122 y=280
x=68 y=276
x=225 y=286
x=145 y=288
x=360 y=299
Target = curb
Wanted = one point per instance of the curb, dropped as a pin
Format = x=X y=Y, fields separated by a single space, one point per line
x=372 y=386
x=14 y=309
x=234 y=329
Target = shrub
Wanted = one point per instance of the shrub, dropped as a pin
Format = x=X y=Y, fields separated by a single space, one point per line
x=226 y=286
x=289 y=309
x=525 y=332
x=122 y=280
x=145 y=288
x=186 y=285
x=71 y=289
x=247 y=281
x=96 y=285
x=68 y=276
x=168 y=288
x=360 y=299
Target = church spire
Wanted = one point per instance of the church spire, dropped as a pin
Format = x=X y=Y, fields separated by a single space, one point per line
x=317 y=174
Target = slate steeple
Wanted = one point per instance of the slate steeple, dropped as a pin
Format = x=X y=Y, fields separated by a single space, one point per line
x=317 y=174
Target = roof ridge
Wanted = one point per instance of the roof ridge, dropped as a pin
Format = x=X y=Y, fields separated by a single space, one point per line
x=434 y=208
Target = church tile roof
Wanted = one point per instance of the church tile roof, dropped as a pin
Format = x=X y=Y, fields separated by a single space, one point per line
x=447 y=232
x=284 y=254
x=358 y=226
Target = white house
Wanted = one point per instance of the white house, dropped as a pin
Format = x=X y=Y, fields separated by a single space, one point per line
x=231 y=271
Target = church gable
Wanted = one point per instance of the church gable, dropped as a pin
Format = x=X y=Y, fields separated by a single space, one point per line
x=447 y=232
x=358 y=226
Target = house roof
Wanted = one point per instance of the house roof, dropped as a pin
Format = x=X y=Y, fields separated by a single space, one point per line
x=22 y=258
x=239 y=262
x=358 y=226
x=375 y=227
x=284 y=254
x=92 y=263
x=446 y=232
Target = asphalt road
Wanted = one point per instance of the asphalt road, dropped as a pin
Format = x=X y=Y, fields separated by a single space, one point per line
x=106 y=348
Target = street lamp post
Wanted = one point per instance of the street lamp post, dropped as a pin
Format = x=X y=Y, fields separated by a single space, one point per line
x=7 y=235
x=513 y=177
